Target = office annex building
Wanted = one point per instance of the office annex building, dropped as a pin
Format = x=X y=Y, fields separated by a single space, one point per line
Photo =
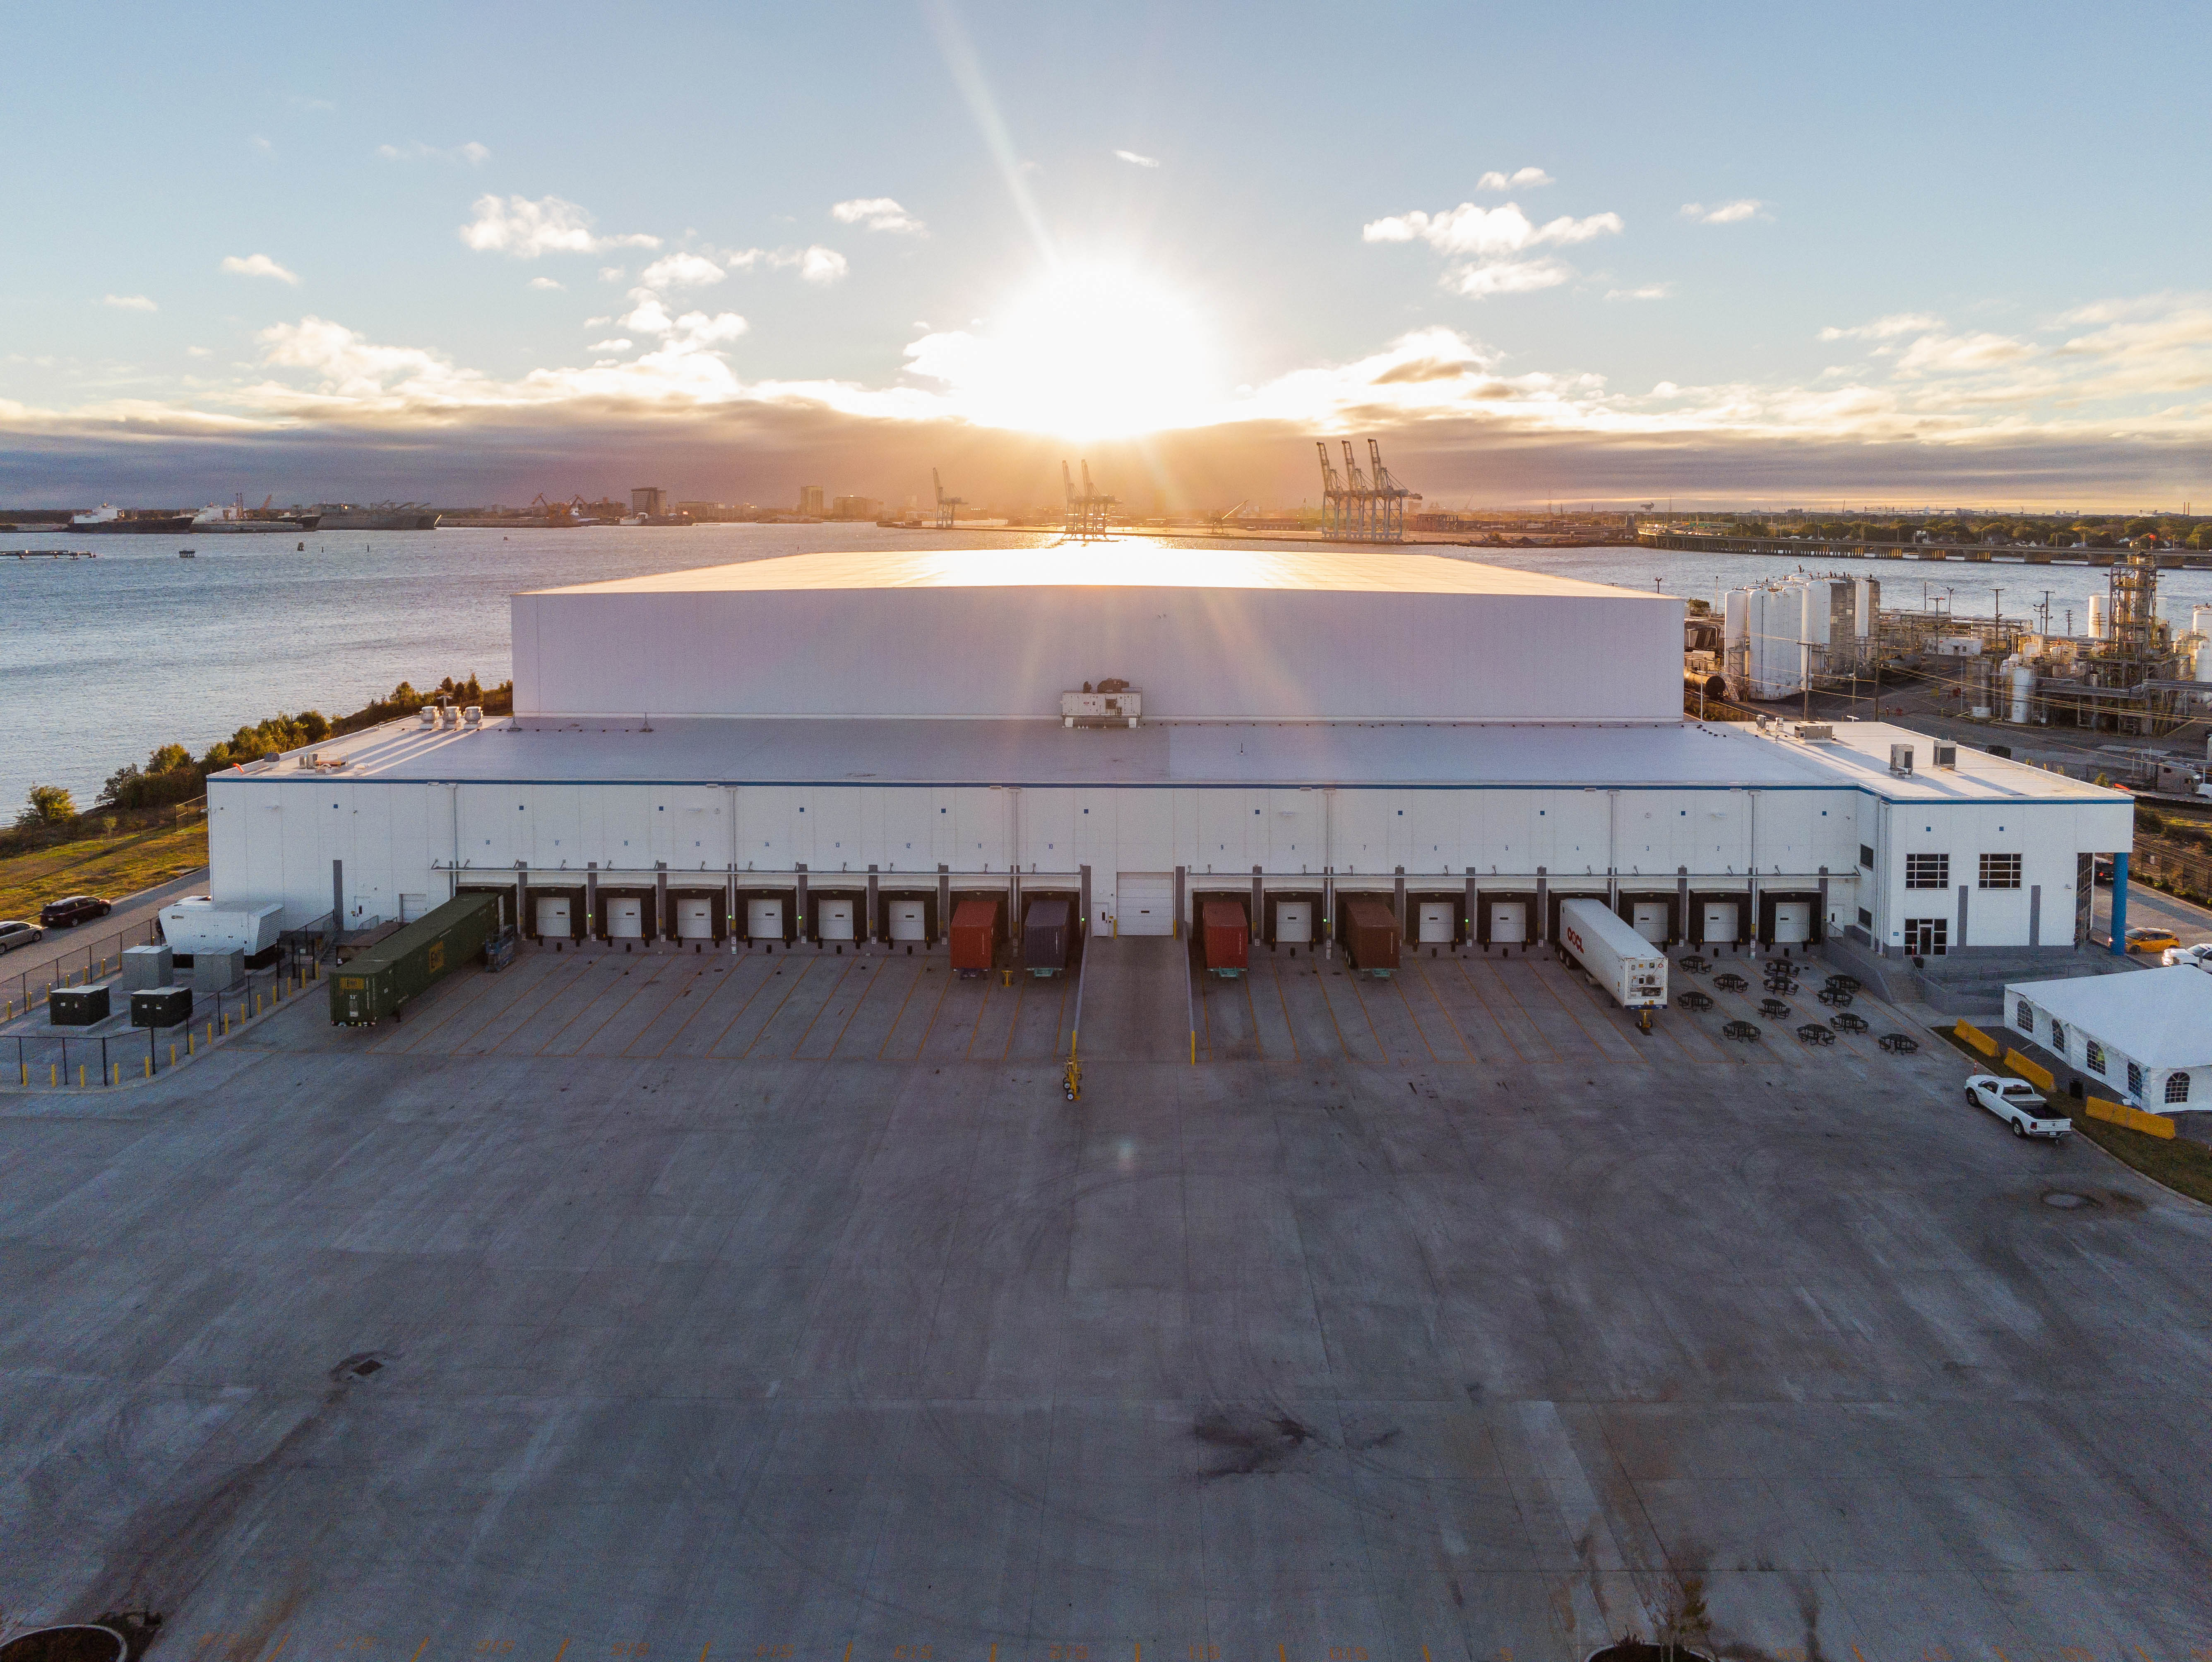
x=833 y=747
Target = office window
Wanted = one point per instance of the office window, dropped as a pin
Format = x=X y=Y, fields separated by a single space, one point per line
x=2135 y=1079
x=1866 y=856
x=2093 y=1057
x=2058 y=1037
x=2177 y=1087
x=1927 y=938
x=2025 y=1020
x=2000 y=871
x=1866 y=919
x=1927 y=871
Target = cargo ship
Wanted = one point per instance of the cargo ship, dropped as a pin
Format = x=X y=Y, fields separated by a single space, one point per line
x=109 y=520
x=235 y=516
x=377 y=516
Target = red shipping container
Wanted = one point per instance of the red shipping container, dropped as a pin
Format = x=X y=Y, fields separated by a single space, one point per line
x=974 y=936
x=1228 y=937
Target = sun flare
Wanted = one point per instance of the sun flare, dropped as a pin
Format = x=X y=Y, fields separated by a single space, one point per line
x=1092 y=351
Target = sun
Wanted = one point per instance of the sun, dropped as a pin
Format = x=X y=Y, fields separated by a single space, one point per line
x=1092 y=351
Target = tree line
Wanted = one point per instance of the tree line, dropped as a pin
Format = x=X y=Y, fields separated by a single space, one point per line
x=174 y=774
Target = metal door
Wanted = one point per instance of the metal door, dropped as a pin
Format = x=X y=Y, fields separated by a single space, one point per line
x=1144 y=902
x=1438 y=923
x=553 y=916
x=625 y=919
x=833 y=919
x=695 y=918
x=1509 y=922
x=763 y=921
x=412 y=906
x=1793 y=922
x=1294 y=923
x=907 y=921
x=1720 y=928
x=1650 y=921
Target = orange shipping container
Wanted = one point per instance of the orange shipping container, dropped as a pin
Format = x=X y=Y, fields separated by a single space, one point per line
x=974 y=936
x=1228 y=937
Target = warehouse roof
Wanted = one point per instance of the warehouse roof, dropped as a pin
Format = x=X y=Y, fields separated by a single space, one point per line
x=2161 y=1018
x=1139 y=563
x=1416 y=755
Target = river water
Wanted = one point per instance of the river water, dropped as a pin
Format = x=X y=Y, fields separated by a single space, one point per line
x=105 y=659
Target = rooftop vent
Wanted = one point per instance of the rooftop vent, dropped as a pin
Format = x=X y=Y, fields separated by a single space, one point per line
x=472 y=716
x=1946 y=755
x=1900 y=760
x=1119 y=708
x=429 y=716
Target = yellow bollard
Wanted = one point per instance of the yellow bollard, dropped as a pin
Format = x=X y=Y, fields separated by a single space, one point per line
x=149 y=1067
x=80 y=1075
x=53 y=1078
x=118 y=1073
x=172 y=1052
x=257 y=1003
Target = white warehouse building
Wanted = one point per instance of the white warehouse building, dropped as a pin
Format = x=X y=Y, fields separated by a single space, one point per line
x=834 y=747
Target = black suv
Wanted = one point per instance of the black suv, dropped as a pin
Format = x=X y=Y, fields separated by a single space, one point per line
x=76 y=909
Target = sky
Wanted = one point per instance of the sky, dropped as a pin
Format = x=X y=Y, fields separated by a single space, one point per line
x=466 y=253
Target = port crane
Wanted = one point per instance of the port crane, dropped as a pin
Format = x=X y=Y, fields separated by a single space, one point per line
x=1087 y=514
x=1361 y=506
x=945 y=505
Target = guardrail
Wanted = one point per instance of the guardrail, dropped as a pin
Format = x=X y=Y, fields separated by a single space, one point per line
x=101 y=957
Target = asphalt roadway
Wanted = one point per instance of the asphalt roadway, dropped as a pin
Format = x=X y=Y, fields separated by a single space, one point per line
x=317 y=1348
x=68 y=947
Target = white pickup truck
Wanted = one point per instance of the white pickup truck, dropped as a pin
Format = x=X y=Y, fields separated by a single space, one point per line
x=2019 y=1104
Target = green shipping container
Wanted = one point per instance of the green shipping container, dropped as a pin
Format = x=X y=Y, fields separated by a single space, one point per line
x=375 y=985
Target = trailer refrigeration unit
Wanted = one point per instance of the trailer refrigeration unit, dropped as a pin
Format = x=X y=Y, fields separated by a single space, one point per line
x=378 y=981
x=1228 y=938
x=1616 y=956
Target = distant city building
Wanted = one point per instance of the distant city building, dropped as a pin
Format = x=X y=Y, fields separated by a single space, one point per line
x=648 y=498
x=855 y=507
x=810 y=500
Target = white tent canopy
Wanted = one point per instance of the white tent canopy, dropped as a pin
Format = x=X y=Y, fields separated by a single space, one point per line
x=2160 y=1019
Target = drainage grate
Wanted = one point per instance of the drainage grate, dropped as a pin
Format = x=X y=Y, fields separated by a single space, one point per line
x=361 y=1365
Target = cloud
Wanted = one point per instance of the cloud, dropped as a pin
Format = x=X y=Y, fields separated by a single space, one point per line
x=472 y=153
x=1507 y=278
x=1726 y=213
x=129 y=303
x=680 y=272
x=1884 y=329
x=1136 y=160
x=1488 y=241
x=544 y=282
x=526 y=229
x=199 y=352
x=611 y=274
x=258 y=265
x=1528 y=177
x=617 y=345
x=878 y=214
x=262 y=145
x=1650 y=291
x=815 y=263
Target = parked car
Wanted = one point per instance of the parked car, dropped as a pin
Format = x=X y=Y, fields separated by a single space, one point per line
x=2151 y=939
x=76 y=909
x=2019 y=1104
x=12 y=935
x=2195 y=957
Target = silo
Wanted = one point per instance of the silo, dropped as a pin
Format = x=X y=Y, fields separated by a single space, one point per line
x=2097 y=630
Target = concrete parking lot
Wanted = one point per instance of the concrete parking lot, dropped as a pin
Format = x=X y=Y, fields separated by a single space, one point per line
x=781 y=1307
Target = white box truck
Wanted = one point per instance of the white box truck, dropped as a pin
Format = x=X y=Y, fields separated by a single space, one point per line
x=1616 y=956
x=200 y=924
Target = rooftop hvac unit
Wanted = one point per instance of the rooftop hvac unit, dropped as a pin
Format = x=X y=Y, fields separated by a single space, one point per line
x=428 y=715
x=1946 y=755
x=1815 y=730
x=450 y=714
x=1900 y=760
x=1100 y=709
x=472 y=716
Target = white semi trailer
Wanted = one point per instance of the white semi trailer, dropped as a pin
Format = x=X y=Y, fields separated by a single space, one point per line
x=1616 y=957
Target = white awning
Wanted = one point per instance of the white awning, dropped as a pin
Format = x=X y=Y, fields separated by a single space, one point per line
x=2160 y=1018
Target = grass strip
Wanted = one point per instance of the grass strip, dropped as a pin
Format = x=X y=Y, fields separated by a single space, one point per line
x=2176 y=1162
x=112 y=866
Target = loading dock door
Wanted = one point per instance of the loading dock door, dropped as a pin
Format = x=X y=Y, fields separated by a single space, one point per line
x=1720 y=928
x=1145 y=902
x=695 y=918
x=763 y=921
x=1651 y=921
x=553 y=918
x=1294 y=923
x=1509 y=922
x=625 y=918
x=908 y=923
x=1793 y=922
x=1439 y=924
x=833 y=918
